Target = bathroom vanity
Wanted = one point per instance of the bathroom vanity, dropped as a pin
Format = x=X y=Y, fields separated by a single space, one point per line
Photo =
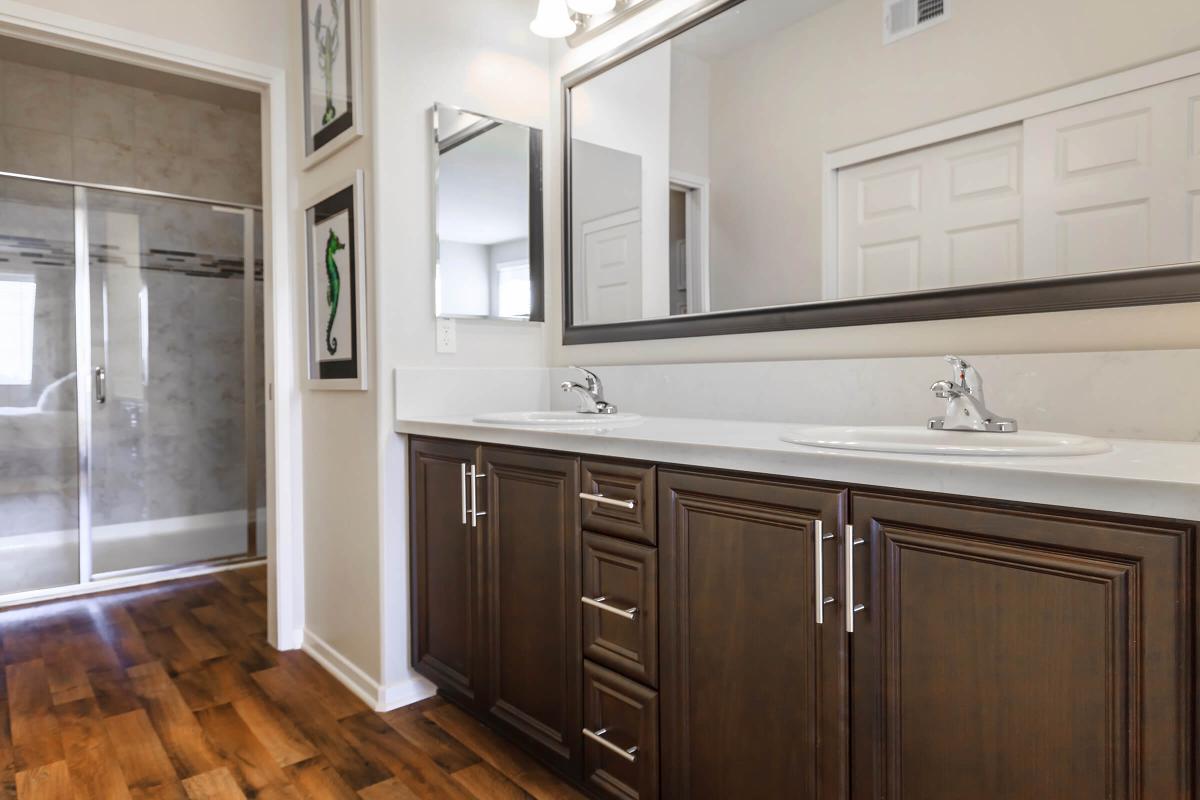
x=698 y=609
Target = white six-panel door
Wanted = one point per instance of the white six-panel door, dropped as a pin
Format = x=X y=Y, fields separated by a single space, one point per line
x=612 y=268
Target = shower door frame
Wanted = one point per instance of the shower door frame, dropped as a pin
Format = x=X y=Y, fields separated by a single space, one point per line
x=88 y=580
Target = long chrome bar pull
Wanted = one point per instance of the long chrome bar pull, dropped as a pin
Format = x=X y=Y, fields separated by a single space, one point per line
x=819 y=539
x=851 y=607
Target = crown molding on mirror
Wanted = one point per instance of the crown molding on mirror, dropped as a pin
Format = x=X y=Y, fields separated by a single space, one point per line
x=591 y=27
x=1169 y=283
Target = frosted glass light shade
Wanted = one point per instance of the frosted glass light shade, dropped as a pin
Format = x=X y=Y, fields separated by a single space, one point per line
x=592 y=6
x=553 y=21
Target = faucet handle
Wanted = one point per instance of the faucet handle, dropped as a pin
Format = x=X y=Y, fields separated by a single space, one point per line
x=593 y=381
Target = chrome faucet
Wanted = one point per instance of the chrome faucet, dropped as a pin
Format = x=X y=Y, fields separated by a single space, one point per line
x=966 y=409
x=591 y=393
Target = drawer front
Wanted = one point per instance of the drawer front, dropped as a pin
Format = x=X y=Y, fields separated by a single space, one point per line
x=618 y=499
x=620 y=606
x=620 y=749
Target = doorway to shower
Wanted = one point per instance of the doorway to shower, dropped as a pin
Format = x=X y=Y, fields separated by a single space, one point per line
x=131 y=366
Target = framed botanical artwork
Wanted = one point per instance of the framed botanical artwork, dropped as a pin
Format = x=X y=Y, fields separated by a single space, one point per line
x=333 y=111
x=336 y=288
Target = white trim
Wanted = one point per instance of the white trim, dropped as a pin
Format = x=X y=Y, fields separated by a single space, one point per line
x=284 y=433
x=110 y=584
x=359 y=126
x=370 y=691
x=1089 y=91
x=362 y=290
x=138 y=529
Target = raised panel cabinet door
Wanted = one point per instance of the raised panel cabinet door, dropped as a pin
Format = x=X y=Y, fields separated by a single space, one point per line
x=446 y=569
x=532 y=604
x=1011 y=654
x=753 y=687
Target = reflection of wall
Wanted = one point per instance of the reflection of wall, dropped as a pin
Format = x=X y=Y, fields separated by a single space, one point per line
x=463 y=278
x=629 y=109
x=58 y=125
x=691 y=80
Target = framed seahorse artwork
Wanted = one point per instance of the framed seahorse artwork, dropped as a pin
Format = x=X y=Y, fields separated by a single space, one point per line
x=336 y=288
x=333 y=112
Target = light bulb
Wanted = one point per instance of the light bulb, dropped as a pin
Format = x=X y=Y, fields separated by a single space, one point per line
x=553 y=21
x=592 y=6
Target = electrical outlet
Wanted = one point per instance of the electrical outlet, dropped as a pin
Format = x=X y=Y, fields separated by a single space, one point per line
x=447 y=335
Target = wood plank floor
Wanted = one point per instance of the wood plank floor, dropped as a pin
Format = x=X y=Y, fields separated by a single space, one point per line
x=171 y=691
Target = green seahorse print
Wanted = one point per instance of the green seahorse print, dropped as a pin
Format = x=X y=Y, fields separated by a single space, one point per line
x=328 y=43
x=333 y=293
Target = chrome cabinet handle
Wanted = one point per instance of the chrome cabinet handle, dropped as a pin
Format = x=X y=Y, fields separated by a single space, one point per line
x=629 y=754
x=851 y=608
x=464 y=492
x=101 y=383
x=475 y=512
x=598 y=602
x=608 y=501
x=819 y=539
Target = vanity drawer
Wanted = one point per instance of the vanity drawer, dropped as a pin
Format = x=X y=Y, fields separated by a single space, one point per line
x=620 y=606
x=620 y=736
x=618 y=499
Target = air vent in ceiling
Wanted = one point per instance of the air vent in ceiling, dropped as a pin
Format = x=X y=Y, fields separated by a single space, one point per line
x=905 y=17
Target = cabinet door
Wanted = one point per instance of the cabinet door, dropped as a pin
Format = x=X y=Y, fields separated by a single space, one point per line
x=1010 y=655
x=752 y=686
x=533 y=610
x=446 y=569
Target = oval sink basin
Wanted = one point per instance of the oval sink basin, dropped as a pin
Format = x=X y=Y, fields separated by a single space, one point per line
x=558 y=419
x=922 y=441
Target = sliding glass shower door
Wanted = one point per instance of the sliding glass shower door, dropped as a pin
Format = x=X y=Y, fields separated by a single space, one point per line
x=39 y=423
x=131 y=418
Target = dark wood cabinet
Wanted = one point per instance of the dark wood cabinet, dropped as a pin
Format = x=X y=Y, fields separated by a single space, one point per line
x=998 y=651
x=532 y=600
x=446 y=554
x=1011 y=654
x=751 y=690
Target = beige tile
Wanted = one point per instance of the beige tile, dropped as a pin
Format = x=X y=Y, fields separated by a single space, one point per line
x=103 y=111
x=41 y=153
x=164 y=171
x=37 y=99
x=103 y=162
x=165 y=123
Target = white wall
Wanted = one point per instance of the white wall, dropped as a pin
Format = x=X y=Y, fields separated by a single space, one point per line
x=474 y=55
x=994 y=52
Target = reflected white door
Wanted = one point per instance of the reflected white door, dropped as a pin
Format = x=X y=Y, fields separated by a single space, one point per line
x=1114 y=183
x=612 y=268
x=945 y=215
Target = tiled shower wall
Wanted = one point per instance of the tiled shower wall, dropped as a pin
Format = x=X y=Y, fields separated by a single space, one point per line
x=58 y=125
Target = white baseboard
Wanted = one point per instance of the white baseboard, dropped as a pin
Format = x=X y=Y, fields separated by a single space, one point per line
x=366 y=688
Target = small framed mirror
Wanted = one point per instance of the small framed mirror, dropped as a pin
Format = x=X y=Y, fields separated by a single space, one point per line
x=488 y=250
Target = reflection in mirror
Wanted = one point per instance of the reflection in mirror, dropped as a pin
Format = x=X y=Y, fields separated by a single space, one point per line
x=489 y=217
x=786 y=152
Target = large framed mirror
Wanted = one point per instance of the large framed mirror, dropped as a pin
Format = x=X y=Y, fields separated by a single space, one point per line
x=488 y=221
x=756 y=165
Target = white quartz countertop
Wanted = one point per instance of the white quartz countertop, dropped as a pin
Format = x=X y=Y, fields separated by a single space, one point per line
x=1152 y=478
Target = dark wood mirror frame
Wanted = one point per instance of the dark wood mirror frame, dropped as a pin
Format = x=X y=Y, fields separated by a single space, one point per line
x=1177 y=283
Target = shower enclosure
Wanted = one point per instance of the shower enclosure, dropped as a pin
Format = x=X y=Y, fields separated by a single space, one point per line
x=131 y=408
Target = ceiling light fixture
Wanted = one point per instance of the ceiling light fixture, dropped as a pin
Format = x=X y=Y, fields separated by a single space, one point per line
x=553 y=20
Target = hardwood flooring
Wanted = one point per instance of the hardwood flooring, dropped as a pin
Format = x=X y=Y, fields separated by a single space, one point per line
x=171 y=692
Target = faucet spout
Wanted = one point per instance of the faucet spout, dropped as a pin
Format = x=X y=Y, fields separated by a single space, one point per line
x=965 y=408
x=590 y=394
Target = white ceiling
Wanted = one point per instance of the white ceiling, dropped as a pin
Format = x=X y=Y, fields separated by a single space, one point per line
x=483 y=188
x=745 y=24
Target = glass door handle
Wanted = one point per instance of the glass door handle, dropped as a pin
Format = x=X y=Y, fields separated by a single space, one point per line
x=101 y=383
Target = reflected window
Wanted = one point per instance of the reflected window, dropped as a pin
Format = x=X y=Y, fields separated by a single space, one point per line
x=18 y=294
x=513 y=290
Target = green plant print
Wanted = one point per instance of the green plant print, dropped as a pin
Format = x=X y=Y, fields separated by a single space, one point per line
x=333 y=293
x=328 y=43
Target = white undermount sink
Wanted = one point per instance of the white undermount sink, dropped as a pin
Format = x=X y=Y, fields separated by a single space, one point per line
x=922 y=441
x=558 y=419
